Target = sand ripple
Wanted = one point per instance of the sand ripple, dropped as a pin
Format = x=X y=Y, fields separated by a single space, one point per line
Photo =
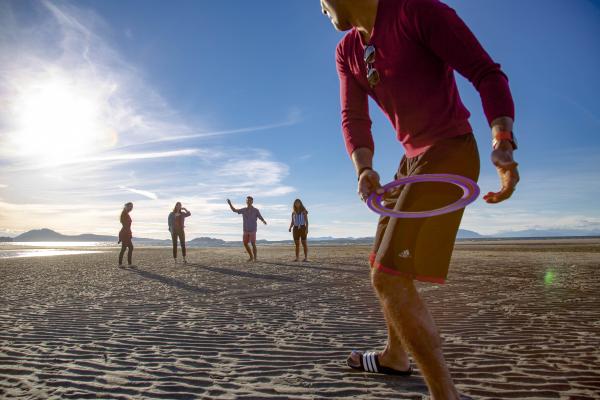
x=78 y=327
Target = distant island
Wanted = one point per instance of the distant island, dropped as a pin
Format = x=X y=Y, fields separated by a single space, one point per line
x=48 y=235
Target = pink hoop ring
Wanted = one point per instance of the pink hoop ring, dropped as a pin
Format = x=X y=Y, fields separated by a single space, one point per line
x=469 y=187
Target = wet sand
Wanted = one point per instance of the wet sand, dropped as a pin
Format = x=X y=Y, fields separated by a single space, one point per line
x=520 y=320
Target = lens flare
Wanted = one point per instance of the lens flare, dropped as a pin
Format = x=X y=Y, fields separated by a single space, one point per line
x=549 y=277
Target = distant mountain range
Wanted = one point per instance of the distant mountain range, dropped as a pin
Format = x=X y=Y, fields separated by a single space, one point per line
x=48 y=235
x=530 y=233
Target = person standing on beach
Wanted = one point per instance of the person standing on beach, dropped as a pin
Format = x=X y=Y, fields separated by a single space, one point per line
x=403 y=54
x=299 y=224
x=176 y=227
x=250 y=214
x=125 y=234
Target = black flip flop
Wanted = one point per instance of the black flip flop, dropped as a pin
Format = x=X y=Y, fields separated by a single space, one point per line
x=369 y=362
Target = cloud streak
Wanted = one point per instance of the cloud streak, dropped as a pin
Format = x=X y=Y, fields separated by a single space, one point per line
x=292 y=119
x=144 y=193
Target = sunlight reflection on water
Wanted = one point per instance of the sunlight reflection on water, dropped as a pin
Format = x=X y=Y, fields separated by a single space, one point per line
x=42 y=253
x=61 y=244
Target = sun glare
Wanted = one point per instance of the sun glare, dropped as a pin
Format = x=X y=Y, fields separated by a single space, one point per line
x=57 y=121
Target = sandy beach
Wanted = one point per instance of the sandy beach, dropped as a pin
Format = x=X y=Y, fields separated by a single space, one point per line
x=519 y=319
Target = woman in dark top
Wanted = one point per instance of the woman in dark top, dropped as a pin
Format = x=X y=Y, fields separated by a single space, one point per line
x=176 y=227
x=299 y=224
x=125 y=234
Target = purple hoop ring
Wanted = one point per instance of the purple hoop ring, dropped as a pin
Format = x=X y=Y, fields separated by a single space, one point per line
x=469 y=187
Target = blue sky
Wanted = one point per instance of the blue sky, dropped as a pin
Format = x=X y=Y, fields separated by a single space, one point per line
x=201 y=101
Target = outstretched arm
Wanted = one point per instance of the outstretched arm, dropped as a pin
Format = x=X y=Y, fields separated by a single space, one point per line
x=231 y=206
x=261 y=218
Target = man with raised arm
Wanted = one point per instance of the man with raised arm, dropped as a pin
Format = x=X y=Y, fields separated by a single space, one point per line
x=403 y=54
x=250 y=214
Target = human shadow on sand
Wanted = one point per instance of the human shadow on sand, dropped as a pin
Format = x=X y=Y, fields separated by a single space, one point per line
x=246 y=274
x=169 y=281
x=310 y=266
x=399 y=384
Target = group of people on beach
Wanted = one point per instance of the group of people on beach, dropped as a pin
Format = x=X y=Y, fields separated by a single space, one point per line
x=250 y=214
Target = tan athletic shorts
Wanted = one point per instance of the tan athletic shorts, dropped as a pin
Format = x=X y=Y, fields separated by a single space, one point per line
x=420 y=248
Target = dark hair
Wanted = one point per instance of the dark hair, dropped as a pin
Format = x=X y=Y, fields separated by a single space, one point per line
x=301 y=209
x=250 y=197
x=175 y=208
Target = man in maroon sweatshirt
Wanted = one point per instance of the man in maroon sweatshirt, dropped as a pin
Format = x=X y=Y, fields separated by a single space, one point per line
x=403 y=54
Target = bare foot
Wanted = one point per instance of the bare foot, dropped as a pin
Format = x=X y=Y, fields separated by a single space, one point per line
x=305 y=259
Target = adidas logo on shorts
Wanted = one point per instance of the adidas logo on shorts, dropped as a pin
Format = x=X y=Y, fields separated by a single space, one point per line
x=404 y=254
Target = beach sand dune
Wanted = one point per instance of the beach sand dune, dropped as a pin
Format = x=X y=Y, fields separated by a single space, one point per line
x=520 y=320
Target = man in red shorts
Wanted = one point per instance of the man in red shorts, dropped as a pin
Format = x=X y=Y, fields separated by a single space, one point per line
x=250 y=214
x=403 y=54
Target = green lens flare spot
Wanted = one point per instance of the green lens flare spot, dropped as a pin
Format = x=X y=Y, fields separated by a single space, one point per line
x=549 y=278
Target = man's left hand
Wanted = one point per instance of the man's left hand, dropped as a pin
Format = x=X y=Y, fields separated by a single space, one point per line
x=502 y=157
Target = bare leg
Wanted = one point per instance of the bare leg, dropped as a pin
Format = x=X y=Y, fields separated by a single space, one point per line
x=121 y=253
x=254 y=250
x=410 y=318
x=247 y=247
x=297 y=244
x=305 y=248
x=129 y=253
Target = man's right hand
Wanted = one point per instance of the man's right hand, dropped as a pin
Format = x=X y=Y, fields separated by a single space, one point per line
x=506 y=166
x=368 y=182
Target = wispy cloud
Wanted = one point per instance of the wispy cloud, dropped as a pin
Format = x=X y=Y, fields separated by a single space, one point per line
x=264 y=171
x=144 y=193
x=120 y=157
x=292 y=119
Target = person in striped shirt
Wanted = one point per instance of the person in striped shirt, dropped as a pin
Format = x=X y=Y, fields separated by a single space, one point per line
x=299 y=224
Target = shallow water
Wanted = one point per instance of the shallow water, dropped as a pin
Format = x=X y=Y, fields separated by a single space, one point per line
x=42 y=253
x=60 y=244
